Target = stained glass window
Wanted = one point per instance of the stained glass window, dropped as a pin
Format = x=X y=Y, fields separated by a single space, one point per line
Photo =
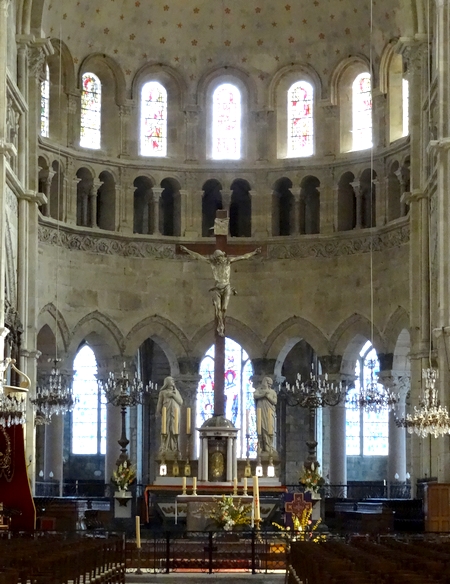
x=362 y=112
x=226 y=126
x=153 y=119
x=91 y=109
x=45 y=103
x=239 y=401
x=367 y=432
x=89 y=413
x=405 y=110
x=300 y=119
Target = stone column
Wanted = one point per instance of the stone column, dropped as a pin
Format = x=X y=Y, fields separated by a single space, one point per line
x=331 y=364
x=125 y=202
x=192 y=118
x=125 y=113
x=327 y=143
x=156 y=204
x=73 y=119
x=261 y=212
x=187 y=383
x=296 y=210
x=226 y=200
x=358 y=195
x=185 y=211
x=262 y=136
x=93 y=194
x=54 y=442
x=378 y=118
x=380 y=203
x=399 y=386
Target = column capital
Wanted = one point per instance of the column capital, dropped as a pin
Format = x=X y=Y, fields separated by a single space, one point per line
x=4 y=5
x=415 y=196
x=263 y=367
x=331 y=364
x=188 y=387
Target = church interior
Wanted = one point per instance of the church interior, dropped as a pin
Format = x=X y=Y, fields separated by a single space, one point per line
x=140 y=141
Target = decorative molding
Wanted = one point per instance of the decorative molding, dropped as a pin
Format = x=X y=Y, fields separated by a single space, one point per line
x=336 y=246
x=113 y=245
x=11 y=201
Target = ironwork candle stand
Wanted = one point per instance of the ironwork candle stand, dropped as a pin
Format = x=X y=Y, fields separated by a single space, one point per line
x=138 y=570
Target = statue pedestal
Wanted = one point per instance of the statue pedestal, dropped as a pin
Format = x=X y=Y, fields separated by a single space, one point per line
x=218 y=460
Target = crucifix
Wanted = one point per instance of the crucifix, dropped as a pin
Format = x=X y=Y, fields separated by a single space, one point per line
x=221 y=293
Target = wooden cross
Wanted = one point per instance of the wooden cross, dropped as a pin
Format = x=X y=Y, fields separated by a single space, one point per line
x=220 y=232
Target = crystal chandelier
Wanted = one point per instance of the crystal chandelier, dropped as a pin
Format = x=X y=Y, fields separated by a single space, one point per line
x=53 y=395
x=373 y=397
x=12 y=398
x=124 y=392
x=313 y=392
x=430 y=417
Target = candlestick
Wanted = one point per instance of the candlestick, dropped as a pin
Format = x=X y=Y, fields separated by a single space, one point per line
x=164 y=421
x=256 y=499
x=258 y=421
x=194 y=485
x=245 y=486
x=188 y=421
x=184 y=485
x=235 y=486
x=175 y=421
x=138 y=532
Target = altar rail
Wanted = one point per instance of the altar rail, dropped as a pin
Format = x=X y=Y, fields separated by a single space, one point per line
x=361 y=561
x=251 y=551
x=60 y=558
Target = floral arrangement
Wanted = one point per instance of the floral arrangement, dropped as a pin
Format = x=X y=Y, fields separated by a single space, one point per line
x=227 y=513
x=311 y=479
x=304 y=528
x=124 y=475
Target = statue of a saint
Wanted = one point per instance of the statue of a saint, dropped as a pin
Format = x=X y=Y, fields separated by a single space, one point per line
x=169 y=402
x=266 y=401
x=222 y=290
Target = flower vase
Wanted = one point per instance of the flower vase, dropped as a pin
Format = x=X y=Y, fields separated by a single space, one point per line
x=122 y=497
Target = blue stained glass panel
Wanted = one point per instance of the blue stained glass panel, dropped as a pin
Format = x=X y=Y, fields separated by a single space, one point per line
x=300 y=119
x=238 y=394
x=153 y=119
x=226 y=126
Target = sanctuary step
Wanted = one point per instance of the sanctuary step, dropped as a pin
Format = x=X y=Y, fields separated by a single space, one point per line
x=236 y=578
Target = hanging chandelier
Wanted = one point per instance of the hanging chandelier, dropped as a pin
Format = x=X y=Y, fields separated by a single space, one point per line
x=12 y=397
x=373 y=396
x=53 y=395
x=313 y=392
x=430 y=417
x=124 y=392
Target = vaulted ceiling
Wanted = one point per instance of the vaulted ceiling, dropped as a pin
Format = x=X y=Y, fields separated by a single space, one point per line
x=259 y=36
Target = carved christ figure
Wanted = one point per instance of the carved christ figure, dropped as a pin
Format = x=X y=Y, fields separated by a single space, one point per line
x=220 y=264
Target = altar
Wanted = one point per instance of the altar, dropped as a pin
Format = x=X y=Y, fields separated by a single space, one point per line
x=200 y=507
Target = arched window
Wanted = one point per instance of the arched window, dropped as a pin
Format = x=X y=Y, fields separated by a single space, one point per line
x=239 y=401
x=89 y=413
x=362 y=112
x=300 y=119
x=226 y=125
x=367 y=432
x=45 y=103
x=153 y=119
x=91 y=109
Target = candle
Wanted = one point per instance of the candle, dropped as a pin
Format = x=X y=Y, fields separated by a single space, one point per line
x=258 y=421
x=235 y=486
x=194 y=485
x=188 y=421
x=245 y=485
x=175 y=421
x=184 y=485
x=164 y=421
x=138 y=532
x=256 y=499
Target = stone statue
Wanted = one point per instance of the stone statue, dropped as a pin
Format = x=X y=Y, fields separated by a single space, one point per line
x=170 y=399
x=266 y=401
x=222 y=290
